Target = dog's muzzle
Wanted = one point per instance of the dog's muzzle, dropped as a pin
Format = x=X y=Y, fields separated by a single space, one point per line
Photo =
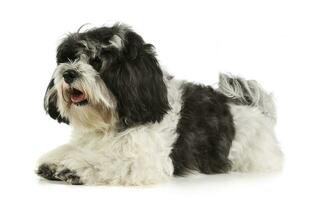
x=76 y=95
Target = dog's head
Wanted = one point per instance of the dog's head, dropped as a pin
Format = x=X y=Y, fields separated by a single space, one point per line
x=106 y=77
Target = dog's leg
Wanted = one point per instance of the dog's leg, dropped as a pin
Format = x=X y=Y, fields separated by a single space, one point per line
x=94 y=168
x=80 y=166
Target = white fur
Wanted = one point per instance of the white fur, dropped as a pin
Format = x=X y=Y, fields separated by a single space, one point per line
x=255 y=147
x=116 y=41
x=137 y=156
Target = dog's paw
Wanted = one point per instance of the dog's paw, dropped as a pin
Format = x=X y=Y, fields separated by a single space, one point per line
x=48 y=171
x=69 y=176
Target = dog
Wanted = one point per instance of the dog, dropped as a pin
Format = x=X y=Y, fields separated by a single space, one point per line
x=134 y=124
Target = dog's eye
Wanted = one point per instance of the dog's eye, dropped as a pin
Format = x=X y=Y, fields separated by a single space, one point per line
x=96 y=63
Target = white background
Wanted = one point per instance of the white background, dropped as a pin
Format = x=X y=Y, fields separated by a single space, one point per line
x=195 y=40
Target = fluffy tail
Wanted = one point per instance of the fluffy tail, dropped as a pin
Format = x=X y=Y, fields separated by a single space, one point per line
x=247 y=92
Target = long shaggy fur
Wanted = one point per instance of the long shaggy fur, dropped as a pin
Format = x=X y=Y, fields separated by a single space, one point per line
x=133 y=124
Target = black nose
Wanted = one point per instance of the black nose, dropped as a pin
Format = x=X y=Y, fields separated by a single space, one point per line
x=70 y=75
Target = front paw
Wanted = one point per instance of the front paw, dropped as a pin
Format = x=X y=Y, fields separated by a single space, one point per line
x=48 y=171
x=69 y=176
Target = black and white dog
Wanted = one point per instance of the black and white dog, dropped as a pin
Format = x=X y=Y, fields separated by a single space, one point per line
x=133 y=124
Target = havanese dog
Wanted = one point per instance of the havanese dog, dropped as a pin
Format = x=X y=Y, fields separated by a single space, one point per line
x=134 y=124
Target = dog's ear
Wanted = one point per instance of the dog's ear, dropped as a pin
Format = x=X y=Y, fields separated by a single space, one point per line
x=136 y=80
x=50 y=103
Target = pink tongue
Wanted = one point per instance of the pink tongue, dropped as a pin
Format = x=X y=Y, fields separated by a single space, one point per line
x=77 y=98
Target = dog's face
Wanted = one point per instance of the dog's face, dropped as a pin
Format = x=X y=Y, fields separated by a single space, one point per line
x=106 y=78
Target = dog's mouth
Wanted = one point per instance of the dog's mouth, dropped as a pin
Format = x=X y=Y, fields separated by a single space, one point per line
x=77 y=97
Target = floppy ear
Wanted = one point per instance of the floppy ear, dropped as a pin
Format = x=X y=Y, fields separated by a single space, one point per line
x=50 y=103
x=136 y=80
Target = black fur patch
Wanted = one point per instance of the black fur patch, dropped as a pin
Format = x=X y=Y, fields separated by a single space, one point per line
x=68 y=49
x=206 y=131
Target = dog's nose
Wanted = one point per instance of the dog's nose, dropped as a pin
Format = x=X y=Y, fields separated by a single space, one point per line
x=70 y=75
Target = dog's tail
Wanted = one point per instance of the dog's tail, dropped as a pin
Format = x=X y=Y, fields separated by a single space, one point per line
x=247 y=92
